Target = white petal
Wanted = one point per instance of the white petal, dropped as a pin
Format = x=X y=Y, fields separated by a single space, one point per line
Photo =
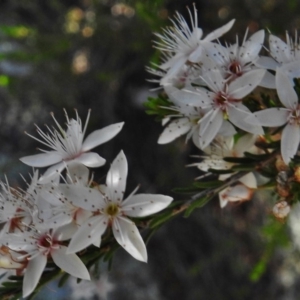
x=280 y=51
x=237 y=193
x=66 y=232
x=195 y=56
x=252 y=47
x=290 y=139
x=219 y=32
x=209 y=127
x=33 y=274
x=142 y=205
x=101 y=136
x=175 y=68
x=268 y=81
x=272 y=117
x=246 y=83
x=285 y=90
x=216 y=52
x=244 y=143
x=128 y=236
x=223 y=197
x=238 y=114
x=227 y=129
x=89 y=199
x=52 y=173
x=78 y=173
x=249 y=180
x=292 y=70
x=90 y=159
x=117 y=176
x=214 y=80
x=267 y=62
x=174 y=130
x=190 y=96
x=88 y=233
x=42 y=159
x=70 y=263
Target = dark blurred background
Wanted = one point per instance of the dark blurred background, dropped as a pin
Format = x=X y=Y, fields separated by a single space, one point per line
x=85 y=54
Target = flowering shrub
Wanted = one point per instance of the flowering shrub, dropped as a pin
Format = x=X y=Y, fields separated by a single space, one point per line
x=239 y=108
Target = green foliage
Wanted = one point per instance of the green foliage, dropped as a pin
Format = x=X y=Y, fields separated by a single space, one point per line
x=198 y=203
x=275 y=235
x=158 y=106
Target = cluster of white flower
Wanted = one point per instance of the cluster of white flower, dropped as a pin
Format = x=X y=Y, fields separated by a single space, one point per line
x=62 y=213
x=210 y=87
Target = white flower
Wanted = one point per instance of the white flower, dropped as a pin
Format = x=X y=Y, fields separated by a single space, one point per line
x=285 y=56
x=224 y=103
x=278 y=116
x=235 y=60
x=225 y=147
x=109 y=209
x=68 y=146
x=184 y=44
x=36 y=246
x=237 y=193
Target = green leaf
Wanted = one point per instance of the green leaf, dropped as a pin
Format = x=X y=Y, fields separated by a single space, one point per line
x=197 y=204
x=208 y=184
x=250 y=167
x=220 y=172
x=160 y=219
x=63 y=279
x=257 y=157
x=238 y=160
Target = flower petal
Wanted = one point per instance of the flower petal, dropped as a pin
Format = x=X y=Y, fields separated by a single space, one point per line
x=77 y=172
x=219 y=32
x=70 y=263
x=87 y=198
x=267 y=62
x=128 y=236
x=209 y=127
x=42 y=159
x=88 y=233
x=90 y=159
x=246 y=83
x=52 y=173
x=249 y=51
x=142 y=205
x=227 y=129
x=242 y=117
x=290 y=139
x=244 y=143
x=285 y=90
x=249 y=180
x=268 y=81
x=280 y=51
x=33 y=274
x=174 y=130
x=272 y=117
x=116 y=177
x=101 y=136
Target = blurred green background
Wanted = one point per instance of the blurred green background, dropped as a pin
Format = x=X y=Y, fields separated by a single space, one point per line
x=85 y=54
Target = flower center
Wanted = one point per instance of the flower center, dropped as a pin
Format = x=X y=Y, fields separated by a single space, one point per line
x=112 y=209
x=221 y=100
x=294 y=117
x=235 y=68
x=46 y=243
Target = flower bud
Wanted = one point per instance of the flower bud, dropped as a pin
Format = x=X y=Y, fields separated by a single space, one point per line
x=281 y=209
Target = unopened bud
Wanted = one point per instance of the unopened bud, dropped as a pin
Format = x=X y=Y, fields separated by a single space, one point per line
x=281 y=209
x=297 y=174
x=280 y=164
